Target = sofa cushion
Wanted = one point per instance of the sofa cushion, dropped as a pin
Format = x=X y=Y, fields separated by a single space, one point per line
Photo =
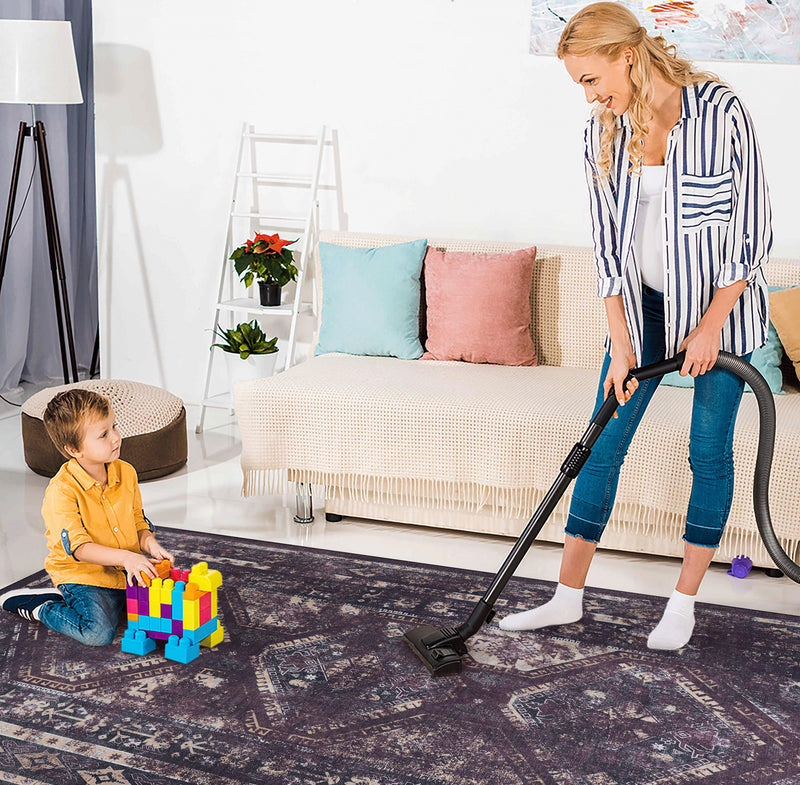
x=785 y=315
x=478 y=306
x=371 y=300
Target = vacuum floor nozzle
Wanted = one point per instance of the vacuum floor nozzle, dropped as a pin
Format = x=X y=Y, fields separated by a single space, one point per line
x=437 y=649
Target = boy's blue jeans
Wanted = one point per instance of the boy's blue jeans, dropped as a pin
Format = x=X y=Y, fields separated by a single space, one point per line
x=717 y=394
x=89 y=614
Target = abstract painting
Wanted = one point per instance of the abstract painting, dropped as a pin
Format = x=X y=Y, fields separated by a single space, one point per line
x=743 y=30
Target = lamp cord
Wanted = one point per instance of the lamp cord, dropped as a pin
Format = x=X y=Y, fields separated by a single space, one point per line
x=10 y=403
x=27 y=192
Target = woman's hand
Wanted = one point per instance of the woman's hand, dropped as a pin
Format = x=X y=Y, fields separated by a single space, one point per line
x=702 y=348
x=136 y=565
x=621 y=364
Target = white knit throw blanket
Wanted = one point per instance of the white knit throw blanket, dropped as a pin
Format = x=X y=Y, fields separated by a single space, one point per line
x=475 y=435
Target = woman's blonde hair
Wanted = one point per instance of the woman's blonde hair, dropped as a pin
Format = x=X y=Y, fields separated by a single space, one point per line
x=607 y=29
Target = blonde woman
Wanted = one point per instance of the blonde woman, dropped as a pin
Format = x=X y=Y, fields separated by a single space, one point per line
x=681 y=228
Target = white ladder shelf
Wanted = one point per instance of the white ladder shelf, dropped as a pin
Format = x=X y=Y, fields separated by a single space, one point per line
x=304 y=227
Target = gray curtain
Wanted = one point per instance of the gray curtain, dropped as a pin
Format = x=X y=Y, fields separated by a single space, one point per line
x=29 y=349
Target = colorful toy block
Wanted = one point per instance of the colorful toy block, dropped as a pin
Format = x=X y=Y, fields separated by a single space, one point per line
x=137 y=642
x=179 y=607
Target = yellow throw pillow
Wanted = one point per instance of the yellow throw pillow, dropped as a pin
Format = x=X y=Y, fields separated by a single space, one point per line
x=784 y=312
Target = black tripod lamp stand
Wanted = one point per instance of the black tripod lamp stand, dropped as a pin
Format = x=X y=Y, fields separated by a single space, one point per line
x=38 y=66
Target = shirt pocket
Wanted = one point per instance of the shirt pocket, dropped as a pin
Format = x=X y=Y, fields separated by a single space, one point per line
x=706 y=200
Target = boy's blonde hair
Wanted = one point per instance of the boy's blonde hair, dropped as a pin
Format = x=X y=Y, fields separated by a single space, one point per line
x=607 y=29
x=68 y=413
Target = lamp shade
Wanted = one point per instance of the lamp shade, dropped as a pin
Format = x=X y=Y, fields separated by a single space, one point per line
x=37 y=63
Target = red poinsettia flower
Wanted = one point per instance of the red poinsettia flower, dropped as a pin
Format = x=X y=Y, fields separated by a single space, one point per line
x=248 y=246
x=276 y=244
x=273 y=241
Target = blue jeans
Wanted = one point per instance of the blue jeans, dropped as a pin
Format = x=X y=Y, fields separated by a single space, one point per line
x=89 y=614
x=717 y=394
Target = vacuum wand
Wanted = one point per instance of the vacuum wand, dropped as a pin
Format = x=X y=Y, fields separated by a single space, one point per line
x=441 y=650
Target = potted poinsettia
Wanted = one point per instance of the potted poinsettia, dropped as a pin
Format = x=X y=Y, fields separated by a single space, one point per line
x=249 y=354
x=266 y=259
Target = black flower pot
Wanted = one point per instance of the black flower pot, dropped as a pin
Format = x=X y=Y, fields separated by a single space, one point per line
x=269 y=293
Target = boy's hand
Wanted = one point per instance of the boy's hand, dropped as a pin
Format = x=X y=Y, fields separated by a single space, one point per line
x=158 y=553
x=136 y=565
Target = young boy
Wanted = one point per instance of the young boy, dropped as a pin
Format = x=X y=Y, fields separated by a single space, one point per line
x=97 y=534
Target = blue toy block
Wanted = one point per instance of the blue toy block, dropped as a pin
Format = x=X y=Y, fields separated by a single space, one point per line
x=201 y=633
x=181 y=649
x=166 y=625
x=137 y=642
x=177 y=600
x=133 y=625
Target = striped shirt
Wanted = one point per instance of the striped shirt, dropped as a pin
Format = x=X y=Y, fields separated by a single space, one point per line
x=717 y=220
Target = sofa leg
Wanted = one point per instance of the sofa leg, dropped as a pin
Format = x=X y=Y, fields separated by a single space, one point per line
x=332 y=517
x=305 y=507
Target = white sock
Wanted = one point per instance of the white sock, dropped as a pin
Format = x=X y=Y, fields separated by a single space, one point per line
x=565 y=607
x=676 y=625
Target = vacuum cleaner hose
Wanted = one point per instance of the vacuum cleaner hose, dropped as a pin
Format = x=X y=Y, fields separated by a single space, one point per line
x=766 y=445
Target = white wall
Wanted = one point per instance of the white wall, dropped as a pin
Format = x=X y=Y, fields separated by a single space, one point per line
x=447 y=127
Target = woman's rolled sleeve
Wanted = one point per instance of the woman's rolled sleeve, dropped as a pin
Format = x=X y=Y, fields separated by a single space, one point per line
x=748 y=239
x=604 y=234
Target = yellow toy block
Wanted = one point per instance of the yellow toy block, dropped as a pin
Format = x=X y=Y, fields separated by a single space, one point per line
x=154 y=596
x=206 y=580
x=191 y=614
x=166 y=591
x=215 y=637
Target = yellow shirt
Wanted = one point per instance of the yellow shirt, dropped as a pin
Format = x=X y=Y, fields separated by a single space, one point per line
x=76 y=510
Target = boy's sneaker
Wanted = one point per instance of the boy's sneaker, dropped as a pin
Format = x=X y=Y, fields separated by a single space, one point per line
x=28 y=602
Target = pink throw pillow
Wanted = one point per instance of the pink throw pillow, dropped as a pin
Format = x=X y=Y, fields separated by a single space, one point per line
x=478 y=306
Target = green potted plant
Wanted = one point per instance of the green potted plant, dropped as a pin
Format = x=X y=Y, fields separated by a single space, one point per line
x=248 y=353
x=265 y=259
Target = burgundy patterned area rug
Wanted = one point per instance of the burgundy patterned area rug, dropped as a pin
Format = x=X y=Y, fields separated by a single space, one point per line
x=313 y=684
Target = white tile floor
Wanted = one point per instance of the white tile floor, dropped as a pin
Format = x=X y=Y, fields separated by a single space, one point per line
x=205 y=496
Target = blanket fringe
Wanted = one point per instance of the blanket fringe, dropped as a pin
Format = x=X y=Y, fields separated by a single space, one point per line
x=637 y=518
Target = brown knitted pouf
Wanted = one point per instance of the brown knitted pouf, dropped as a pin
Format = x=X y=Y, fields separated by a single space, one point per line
x=151 y=422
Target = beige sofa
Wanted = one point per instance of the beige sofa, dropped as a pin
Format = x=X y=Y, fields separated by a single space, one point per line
x=476 y=447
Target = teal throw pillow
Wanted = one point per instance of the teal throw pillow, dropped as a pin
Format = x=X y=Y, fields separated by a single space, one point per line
x=371 y=300
x=766 y=360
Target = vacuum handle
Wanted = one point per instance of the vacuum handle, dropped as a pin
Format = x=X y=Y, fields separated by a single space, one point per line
x=606 y=411
x=658 y=369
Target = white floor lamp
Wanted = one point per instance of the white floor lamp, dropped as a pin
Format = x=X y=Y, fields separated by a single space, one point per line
x=38 y=66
